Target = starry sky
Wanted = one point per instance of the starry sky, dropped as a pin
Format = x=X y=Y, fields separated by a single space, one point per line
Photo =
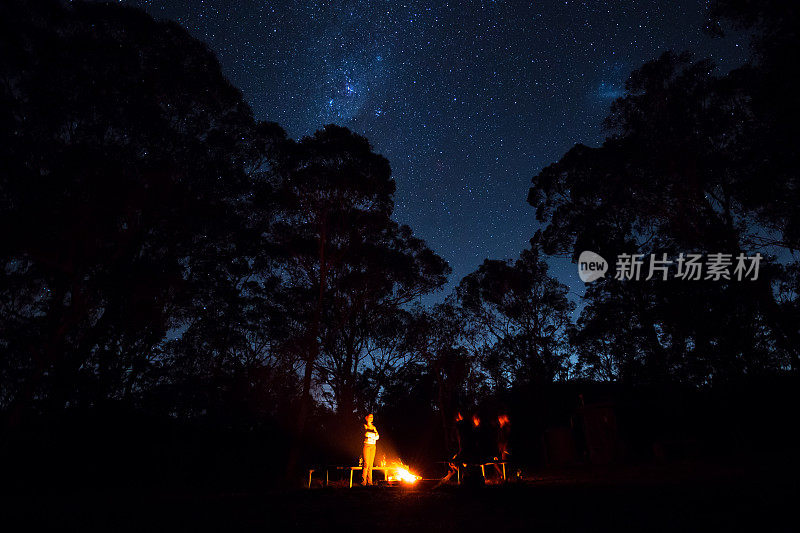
x=467 y=100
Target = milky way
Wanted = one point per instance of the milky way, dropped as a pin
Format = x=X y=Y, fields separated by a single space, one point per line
x=467 y=100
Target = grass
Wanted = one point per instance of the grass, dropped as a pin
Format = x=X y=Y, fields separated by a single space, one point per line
x=677 y=497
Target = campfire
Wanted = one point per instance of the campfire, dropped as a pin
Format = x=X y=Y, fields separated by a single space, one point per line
x=397 y=471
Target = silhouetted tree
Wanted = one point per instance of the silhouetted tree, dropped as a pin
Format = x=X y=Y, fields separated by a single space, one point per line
x=124 y=154
x=449 y=349
x=676 y=175
x=346 y=264
x=522 y=315
x=230 y=356
x=366 y=322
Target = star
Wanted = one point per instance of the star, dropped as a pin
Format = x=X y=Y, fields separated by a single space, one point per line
x=436 y=85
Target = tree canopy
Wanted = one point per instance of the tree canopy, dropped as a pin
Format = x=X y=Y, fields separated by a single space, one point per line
x=695 y=162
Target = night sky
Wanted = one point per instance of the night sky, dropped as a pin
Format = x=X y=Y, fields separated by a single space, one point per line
x=467 y=100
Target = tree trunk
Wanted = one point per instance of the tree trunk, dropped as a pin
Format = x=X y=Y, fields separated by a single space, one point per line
x=298 y=437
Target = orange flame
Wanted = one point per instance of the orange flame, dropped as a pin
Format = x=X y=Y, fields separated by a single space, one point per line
x=401 y=473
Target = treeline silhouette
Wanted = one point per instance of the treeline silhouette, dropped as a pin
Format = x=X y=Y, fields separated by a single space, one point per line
x=190 y=297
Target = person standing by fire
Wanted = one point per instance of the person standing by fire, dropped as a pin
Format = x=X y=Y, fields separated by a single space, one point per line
x=370 y=441
x=503 y=434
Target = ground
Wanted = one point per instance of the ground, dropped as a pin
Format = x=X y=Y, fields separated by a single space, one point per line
x=679 y=497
